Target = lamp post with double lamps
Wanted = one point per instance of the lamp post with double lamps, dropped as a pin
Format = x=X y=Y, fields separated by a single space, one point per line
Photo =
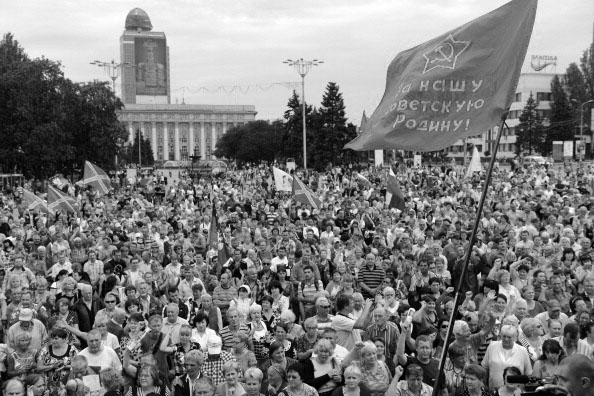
x=582 y=125
x=112 y=69
x=303 y=67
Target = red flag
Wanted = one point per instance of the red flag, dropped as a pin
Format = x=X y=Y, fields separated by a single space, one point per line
x=394 y=197
x=457 y=85
x=96 y=177
x=213 y=232
x=57 y=200
x=34 y=202
x=304 y=195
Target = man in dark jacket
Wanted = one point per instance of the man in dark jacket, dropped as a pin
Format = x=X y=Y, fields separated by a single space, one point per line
x=86 y=309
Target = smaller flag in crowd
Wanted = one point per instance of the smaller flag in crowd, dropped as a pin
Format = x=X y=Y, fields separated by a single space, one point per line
x=213 y=232
x=394 y=196
x=363 y=180
x=96 y=177
x=282 y=180
x=34 y=202
x=57 y=200
x=304 y=195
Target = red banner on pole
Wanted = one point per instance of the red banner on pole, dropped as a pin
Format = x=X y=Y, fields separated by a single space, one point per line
x=457 y=85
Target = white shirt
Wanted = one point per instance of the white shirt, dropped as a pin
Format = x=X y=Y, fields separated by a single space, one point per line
x=105 y=359
x=345 y=335
x=497 y=359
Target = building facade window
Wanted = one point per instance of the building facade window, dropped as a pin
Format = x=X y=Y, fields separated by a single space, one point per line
x=518 y=97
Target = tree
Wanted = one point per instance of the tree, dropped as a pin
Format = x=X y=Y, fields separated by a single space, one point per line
x=292 y=141
x=561 y=119
x=49 y=124
x=146 y=151
x=587 y=67
x=332 y=131
x=255 y=142
x=530 y=132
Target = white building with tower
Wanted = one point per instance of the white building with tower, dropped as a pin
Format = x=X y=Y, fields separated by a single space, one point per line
x=175 y=131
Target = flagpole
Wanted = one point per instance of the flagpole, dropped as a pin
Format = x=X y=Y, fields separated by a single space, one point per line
x=477 y=221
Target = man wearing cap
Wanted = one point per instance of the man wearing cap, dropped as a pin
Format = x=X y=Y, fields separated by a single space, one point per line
x=215 y=360
x=28 y=325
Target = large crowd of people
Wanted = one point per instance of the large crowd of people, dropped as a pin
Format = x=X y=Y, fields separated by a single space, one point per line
x=143 y=288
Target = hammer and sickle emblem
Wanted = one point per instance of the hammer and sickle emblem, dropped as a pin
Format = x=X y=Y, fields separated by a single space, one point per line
x=443 y=50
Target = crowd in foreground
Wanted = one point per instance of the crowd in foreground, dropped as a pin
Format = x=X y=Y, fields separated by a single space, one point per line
x=353 y=298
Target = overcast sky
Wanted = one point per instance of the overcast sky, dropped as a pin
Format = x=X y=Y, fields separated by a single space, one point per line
x=243 y=42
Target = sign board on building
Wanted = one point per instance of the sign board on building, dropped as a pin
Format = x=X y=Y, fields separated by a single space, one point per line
x=151 y=66
x=541 y=62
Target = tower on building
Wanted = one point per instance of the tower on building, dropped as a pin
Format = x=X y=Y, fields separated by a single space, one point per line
x=146 y=79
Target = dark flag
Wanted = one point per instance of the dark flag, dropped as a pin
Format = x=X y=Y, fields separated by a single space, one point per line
x=304 y=195
x=457 y=85
x=394 y=197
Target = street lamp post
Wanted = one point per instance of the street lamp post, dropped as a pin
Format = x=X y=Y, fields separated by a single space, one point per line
x=582 y=121
x=303 y=67
x=112 y=69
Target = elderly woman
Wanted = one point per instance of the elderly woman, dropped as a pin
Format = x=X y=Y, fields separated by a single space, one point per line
x=296 y=386
x=231 y=386
x=258 y=333
x=322 y=371
x=21 y=361
x=242 y=354
x=352 y=383
x=276 y=381
x=149 y=381
x=294 y=330
x=413 y=385
x=505 y=353
x=376 y=375
x=533 y=307
x=276 y=353
x=531 y=337
x=304 y=345
x=505 y=287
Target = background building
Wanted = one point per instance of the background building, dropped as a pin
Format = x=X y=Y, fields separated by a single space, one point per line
x=175 y=131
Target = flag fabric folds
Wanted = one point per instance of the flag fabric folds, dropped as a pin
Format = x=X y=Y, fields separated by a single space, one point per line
x=57 y=200
x=282 y=180
x=213 y=231
x=456 y=85
x=33 y=202
x=362 y=180
x=304 y=195
x=394 y=197
x=475 y=163
x=96 y=177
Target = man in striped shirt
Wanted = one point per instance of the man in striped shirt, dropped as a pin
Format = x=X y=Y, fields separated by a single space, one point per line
x=371 y=277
